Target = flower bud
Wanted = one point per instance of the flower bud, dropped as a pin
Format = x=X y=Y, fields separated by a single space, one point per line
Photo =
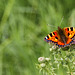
x=42 y=65
x=41 y=59
x=47 y=59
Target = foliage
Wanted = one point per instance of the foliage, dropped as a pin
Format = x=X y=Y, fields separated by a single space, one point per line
x=59 y=62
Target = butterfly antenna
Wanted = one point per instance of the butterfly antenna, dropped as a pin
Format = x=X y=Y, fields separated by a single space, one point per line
x=51 y=25
x=61 y=20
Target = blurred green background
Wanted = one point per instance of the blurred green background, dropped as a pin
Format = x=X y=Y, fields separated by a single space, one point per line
x=23 y=26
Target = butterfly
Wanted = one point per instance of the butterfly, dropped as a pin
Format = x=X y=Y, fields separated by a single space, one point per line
x=62 y=37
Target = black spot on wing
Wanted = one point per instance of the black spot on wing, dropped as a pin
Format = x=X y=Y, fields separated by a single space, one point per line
x=56 y=37
x=68 y=34
x=51 y=34
x=47 y=36
x=71 y=28
x=68 y=29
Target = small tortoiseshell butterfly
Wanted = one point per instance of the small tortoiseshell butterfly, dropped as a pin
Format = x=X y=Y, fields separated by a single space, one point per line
x=62 y=37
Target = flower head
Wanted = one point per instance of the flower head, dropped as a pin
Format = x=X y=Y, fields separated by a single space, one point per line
x=41 y=59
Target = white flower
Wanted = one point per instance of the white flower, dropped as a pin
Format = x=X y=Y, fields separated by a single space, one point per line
x=47 y=59
x=43 y=65
x=66 y=59
x=41 y=59
x=50 y=49
x=61 y=58
x=59 y=49
x=54 y=47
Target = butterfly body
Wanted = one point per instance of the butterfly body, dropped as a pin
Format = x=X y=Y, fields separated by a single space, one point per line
x=62 y=37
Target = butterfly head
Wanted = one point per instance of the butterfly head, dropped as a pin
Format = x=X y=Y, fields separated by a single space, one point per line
x=59 y=28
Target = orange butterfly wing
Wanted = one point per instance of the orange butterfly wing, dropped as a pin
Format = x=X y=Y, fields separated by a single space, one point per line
x=69 y=33
x=55 y=38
